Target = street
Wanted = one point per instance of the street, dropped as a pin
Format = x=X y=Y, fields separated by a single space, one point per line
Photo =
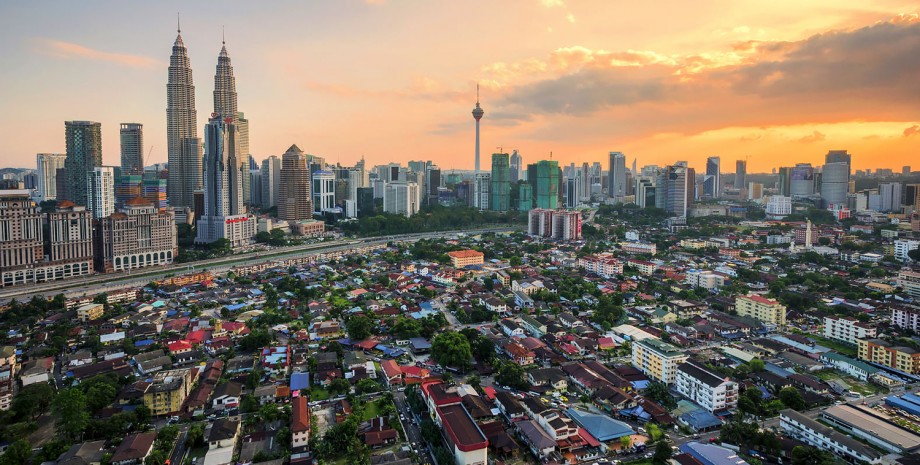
x=410 y=426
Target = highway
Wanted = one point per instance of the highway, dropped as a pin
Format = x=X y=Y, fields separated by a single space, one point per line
x=95 y=284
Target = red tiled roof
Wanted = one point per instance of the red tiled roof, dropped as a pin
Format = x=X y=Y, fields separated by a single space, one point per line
x=300 y=415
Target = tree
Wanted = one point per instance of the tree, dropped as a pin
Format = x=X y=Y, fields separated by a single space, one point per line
x=195 y=436
x=339 y=386
x=367 y=386
x=625 y=442
x=17 y=453
x=791 y=398
x=658 y=392
x=142 y=413
x=359 y=327
x=662 y=453
x=654 y=432
x=756 y=365
x=100 y=395
x=32 y=401
x=914 y=255
x=807 y=455
x=511 y=374
x=69 y=408
x=451 y=349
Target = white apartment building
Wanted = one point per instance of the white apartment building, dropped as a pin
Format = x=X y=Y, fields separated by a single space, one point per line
x=847 y=329
x=778 y=207
x=903 y=246
x=401 y=198
x=48 y=164
x=906 y=316
x=705 y=388
x=101 y=198
x=809 y=431
x=705 y=279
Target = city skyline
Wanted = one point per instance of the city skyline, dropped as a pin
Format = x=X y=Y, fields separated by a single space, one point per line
x=749 y=70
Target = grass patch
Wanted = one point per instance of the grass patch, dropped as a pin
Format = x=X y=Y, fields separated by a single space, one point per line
x=827 y=375
x=370 y=411
x=317 y=393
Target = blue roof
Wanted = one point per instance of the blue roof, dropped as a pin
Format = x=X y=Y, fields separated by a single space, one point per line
x=777 y=370
x=236 y=307
x=712 y=455
x=600 y=426
x=641 y=384
x=256 y=292
x=158 y=304
x=390 y=351
x=145 y=342
x=300 y=381
x=700 y=419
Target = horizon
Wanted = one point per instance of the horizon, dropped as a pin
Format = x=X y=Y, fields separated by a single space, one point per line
x=752 y=82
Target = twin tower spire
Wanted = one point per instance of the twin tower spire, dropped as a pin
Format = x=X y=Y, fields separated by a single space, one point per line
x=183 y=144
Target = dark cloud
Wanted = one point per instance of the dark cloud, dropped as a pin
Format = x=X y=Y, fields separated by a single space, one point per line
x=872 y=72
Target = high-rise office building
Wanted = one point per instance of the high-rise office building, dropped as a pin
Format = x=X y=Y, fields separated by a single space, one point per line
x=153 y=189
x=517 y=166
x=84 y=153
x=672 y=189
x=482 y=183
x=802 y=183
x=48 y=165
x=835 y=177
x=784 y=182
x=545 y=176
x=294 y=200
x=224 y=216
x=131 y=137
x=740 y=174
x=401 y=198
x=525 y=197
x=617 y=183
x=434 y=184
x=225 y=105
x=905 y=170
x=271 y=181
x=322 y=188
x=712 y=183
x=183 y=144
x=500 y=190
x=911 y=196
x=889 y=196
x=645 y=192
x=255 y=184
x=127 y=187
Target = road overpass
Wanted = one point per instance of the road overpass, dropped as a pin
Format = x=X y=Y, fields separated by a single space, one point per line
x=99 y=283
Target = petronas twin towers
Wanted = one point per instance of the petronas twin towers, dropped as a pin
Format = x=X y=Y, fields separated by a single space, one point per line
x=183 y=144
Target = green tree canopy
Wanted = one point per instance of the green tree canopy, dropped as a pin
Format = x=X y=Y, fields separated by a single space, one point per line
x=451 y=349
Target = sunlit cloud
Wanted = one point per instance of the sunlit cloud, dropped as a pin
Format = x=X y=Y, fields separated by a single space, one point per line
x=71 y=51
x=911 y=131
x=815 y=136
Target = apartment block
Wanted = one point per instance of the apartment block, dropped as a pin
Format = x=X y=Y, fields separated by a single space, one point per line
x=906 y=316
x=901 y=358
x=168 y=391
x=657 y=359
x=909 y=280
x=707 y=389
x=847 y=329
x=802 y=428
x=761 y=308
x=464 y=258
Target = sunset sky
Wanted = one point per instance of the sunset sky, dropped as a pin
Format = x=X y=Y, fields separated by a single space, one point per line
x=776 y=82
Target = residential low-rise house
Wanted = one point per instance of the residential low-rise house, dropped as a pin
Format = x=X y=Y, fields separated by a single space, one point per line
x=134 y=449
x=226 y=395
x=300 y=423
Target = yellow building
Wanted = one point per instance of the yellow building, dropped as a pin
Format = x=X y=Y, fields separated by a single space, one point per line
x=464 y=258
x=766 y=310
x=657 y=359
x=90 y=312
x=901 y=358
x=168 y=391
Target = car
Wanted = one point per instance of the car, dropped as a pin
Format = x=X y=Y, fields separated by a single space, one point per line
x=712 y=440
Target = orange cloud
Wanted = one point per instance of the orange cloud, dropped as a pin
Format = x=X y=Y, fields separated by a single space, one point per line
x=71 y=51
x=913 y=130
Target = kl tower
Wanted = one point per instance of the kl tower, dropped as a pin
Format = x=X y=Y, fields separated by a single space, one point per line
x=477 y=114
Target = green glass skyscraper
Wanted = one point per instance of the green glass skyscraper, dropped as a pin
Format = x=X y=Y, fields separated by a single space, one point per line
x=84 y=153
x=500 y=190
x=544 y=177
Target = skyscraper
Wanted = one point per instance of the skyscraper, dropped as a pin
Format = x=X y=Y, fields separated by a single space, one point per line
x=101 y=201
x=890 y=196
x=500 y=190
x=740 y=174
x=84 y=153
x=132 y=148
x=271 y=182
x=477 y=115
x=784 y=184
x=672 y=191
x=617 y=176
x=712 y=183
x=835 y=177
x=47 y=166
x=517 y=166
x=294 y=202
x=545 y=176
x=183 y=145
x=225 y=105
x=224 y=217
